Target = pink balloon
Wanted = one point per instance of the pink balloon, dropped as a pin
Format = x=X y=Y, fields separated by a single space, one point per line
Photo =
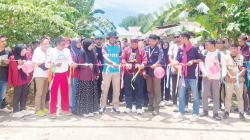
x=159 y=72
x=28 y=67
x=214 y=68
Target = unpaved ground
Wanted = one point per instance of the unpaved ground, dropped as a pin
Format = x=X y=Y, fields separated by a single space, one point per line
x=123 y=127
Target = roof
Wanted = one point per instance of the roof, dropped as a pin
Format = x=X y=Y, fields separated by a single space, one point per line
x=135 y=31
x=123 y=31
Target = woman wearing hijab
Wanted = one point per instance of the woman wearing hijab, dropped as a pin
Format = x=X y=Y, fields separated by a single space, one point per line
x=86 y=100
x=20 y=81
x=165 y=47
x=76 y=48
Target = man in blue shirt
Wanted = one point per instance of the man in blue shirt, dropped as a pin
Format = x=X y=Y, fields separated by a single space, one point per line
x=155 y=58
x=111 y=72
x=189 y=55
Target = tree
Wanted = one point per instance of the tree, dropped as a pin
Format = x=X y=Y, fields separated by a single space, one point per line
x=134 y=21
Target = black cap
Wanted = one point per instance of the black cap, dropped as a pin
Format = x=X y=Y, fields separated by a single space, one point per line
x=112 y=34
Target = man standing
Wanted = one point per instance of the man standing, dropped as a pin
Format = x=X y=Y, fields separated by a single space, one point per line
x=133 y=58
x=124 y=43
x=4 y=68
x=155 y=58
x=35 y=45
x=211 y=79
x=189 y=55
x=111 y=72
x=98 y=47
x=60 y=58
x=244 y=50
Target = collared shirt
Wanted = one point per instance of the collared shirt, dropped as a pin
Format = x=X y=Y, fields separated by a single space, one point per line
x=173 y=50
x=39 y=56
x=192 y=54
x=245 y=52
x=154 y=55
x=113 y=53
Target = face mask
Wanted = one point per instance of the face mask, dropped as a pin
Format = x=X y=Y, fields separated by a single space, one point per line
x=201 y=48
x=248 y=43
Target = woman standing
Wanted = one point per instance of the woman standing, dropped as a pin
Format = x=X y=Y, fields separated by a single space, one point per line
x=86 y=102
x=20 y=81
x=76 y=48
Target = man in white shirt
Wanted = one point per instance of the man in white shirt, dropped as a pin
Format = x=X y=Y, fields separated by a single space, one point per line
x=211 y=76
x=60 y=60
x=41 y=77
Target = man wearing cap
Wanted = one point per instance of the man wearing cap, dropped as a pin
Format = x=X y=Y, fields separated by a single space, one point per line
x=155 y=58
x=111 y=72
x=98 y=47
x=133 y=58
x=124 y=43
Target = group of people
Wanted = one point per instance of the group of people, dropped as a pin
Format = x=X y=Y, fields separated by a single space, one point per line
x=79 y=76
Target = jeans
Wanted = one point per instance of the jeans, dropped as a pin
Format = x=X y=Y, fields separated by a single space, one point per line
x=128 y=90
x=73 y=97
x=3 y=89
x=182 y=93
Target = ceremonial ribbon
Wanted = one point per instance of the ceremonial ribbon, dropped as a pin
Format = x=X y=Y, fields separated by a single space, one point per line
x=107 y=70
x=221 y=76
x=51 y=75
x=237 y=74
x=133 y=79
x=247 y=64
x=69 y=80
x=178 y=77
x=167 y=73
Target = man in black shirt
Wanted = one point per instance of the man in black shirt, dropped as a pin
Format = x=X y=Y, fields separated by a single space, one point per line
x=98 y=47
x=4 y=66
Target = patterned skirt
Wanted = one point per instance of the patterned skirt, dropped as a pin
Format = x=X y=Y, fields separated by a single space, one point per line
x=86 y=97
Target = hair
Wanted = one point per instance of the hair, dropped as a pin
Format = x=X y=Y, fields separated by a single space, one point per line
x=59 y=40
x=46 y=36
x=1 y=36
x=152 y=36
x=220 y=41
x=177 y=33
x=232 y=44
x=185 y=34
x=125 y=39
x=243 y=37
x=158 y=37
x=82 y=40
x=28 y=45
x=33 y=42
x=212 y=41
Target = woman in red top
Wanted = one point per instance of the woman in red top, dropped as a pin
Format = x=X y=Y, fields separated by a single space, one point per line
x=20 y=81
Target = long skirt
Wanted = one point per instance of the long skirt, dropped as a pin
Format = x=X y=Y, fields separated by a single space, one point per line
x=86 y=100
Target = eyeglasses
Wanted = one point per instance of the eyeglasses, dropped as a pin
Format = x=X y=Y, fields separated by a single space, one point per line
x=176 y=37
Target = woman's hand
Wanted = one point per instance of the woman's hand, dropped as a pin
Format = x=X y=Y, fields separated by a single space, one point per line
x=91 y=66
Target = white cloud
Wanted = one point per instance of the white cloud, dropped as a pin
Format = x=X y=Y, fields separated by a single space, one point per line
x=138 y=6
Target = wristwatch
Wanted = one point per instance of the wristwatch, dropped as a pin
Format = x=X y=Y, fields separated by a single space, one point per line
x=193 y=60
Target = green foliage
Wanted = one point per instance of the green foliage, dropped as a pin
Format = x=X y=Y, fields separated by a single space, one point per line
x=134 y=21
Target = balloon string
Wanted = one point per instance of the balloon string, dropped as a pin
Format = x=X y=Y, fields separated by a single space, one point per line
x=221 y=76
x=133 y=79
x=167 y=72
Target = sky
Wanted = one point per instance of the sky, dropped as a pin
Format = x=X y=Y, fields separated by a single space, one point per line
x=117 y=10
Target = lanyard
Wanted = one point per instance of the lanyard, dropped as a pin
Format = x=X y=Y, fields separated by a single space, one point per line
x=150 y=54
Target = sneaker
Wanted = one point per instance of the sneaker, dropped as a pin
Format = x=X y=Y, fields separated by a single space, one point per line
x=167 y=103
x=216 y=117
x=45 y=110
x=6 y=110
x=53 y=116
x=204 y=113
x=86 y=115
x=121 y=103
x=161 y=104
x=67 y=113
x=186 y=109
x=179 y=116
x=25 y=113
x=115 y=110
x=91 y=114
x=102 y=110
x=194 y=118
x=242 y=117
x=139 y=112
x=226 y=115
x=40 y=113
x=59 y=111
x=18 y=115
x=175 y=108
x=127 y=111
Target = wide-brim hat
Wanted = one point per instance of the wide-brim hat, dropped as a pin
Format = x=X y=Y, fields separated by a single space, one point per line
x=112 y=34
